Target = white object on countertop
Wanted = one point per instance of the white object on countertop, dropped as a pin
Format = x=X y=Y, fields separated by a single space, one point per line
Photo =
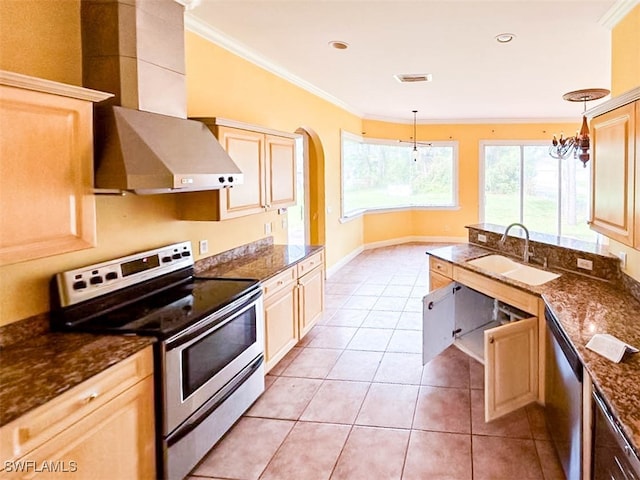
x=609 y=346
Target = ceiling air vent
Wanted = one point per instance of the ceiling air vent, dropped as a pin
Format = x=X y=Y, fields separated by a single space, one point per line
x=413 y=77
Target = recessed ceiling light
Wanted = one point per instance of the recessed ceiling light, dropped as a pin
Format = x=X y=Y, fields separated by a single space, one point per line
x=338 y=45
x=505 y=37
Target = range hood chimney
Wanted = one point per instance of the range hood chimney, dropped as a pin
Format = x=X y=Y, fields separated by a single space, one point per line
x=143 y=140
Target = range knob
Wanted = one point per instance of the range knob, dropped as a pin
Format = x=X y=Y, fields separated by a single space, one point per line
x=186 y=254
x=176 y=256
x=166 y=259
x=96 y=280
x=79 y=285
x=230 y=179
x=221 y=179
x=111 y=276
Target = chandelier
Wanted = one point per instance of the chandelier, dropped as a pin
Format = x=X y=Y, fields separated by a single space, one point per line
x=579 y=145
x=414 y=152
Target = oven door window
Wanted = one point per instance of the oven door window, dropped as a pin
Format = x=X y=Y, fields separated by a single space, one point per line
x=203 y=359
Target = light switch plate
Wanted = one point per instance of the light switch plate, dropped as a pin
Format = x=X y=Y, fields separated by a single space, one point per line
x=204 y=246
x=482 y=238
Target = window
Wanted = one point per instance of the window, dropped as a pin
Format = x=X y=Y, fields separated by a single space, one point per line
x=522 y=183
x=380 y=174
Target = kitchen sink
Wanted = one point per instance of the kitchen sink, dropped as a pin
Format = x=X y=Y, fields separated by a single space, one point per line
x=514 y=270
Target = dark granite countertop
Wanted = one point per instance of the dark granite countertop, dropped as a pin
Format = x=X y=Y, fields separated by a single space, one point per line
x=37 y=370
x=585 y=306
x=261 y=264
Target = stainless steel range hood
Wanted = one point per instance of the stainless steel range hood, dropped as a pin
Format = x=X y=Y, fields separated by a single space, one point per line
x=143 y=141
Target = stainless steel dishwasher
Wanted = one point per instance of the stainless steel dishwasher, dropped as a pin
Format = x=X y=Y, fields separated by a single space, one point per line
x=613 y=456
x=563 y=409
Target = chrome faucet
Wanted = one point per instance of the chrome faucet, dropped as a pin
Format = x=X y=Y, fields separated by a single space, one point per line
x=526 y=254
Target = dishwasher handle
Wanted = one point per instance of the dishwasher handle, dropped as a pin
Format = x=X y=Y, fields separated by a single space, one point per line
x=563 y=342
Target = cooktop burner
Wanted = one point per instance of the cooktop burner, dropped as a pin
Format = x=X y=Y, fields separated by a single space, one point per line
x=149 y=293
x=163 y=313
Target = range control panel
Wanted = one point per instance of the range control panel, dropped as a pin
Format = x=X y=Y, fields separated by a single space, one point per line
x=92 y=281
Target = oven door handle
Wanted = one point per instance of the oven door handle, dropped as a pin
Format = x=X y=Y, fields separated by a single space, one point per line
x=214 y=402
x=213 y=321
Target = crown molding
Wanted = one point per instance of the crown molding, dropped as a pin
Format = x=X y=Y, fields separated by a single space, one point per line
x=472 y=121
x=207 y=32
x=27 y=82
x=617 y=12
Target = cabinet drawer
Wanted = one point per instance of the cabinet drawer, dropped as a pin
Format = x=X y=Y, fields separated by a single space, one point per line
x=495 y=289
x=41 y=424
x=441 y=267
x=308 y=264
x=279 y=282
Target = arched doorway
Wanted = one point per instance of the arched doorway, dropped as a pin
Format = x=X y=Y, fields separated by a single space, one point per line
x=311 y=198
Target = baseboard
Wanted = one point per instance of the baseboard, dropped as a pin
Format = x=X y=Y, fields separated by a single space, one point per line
x=413 y=239
x=388 y=243
x=343 y=261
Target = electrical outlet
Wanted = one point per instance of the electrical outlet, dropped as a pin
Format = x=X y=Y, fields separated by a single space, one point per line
x=586 y=264
x=623 y=259
x=204 y=246
x=267 y=228
x=482 y=238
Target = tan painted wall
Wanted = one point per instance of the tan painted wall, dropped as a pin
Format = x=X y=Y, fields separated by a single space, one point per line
x=448 y=223
x=625 y=53
x=42 y=38
x=625 y=75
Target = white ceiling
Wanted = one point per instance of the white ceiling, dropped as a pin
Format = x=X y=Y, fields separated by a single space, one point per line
x=560 y=46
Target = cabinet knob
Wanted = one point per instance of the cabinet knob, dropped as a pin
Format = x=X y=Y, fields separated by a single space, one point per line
x=90 y=398
x=491 y=339
x=280 y=282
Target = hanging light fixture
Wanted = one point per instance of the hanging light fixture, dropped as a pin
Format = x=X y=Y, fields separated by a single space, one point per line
x=414 y=152
x=579 y=145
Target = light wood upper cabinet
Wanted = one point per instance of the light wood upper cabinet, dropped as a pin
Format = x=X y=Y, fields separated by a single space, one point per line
x=246 y=148
x=46 y=168
x=268 y=162
x=281 y=172
x=103 y=428
x=614 y=163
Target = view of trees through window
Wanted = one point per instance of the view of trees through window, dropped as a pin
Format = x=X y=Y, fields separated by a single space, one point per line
x=378 y=174
x=522 y=183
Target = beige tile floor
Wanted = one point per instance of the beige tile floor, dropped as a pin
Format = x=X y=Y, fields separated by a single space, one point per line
x=353 y=401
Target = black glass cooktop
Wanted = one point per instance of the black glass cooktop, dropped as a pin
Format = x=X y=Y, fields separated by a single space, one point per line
x=160 y=314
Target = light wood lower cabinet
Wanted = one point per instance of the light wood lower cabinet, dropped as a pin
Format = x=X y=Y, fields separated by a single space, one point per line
x=280 y=317
x=101 y=429
x=311 y=299
x=478 y=315
x=293 y=302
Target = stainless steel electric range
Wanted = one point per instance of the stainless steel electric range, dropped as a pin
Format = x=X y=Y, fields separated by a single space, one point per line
x=209 y=362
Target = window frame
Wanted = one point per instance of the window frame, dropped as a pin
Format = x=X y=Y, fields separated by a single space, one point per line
x=522 y=144
x=381 y=141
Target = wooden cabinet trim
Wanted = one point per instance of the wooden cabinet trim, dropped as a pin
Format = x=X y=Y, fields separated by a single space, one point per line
x=496 y=289
x=440 y=266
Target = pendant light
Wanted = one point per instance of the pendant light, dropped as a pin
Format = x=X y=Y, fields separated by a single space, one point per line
x=562 y=147
x=415 y=153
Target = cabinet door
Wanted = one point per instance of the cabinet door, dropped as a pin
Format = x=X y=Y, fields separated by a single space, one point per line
x=613 y=167
x=115 y=441
x=46 y=175
x=281 y=172
x=281 y=325
x=247 y=151
x=636 y=242
x=311 y=299
x=511 y=367
x=438 y=322
x=437 y=281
